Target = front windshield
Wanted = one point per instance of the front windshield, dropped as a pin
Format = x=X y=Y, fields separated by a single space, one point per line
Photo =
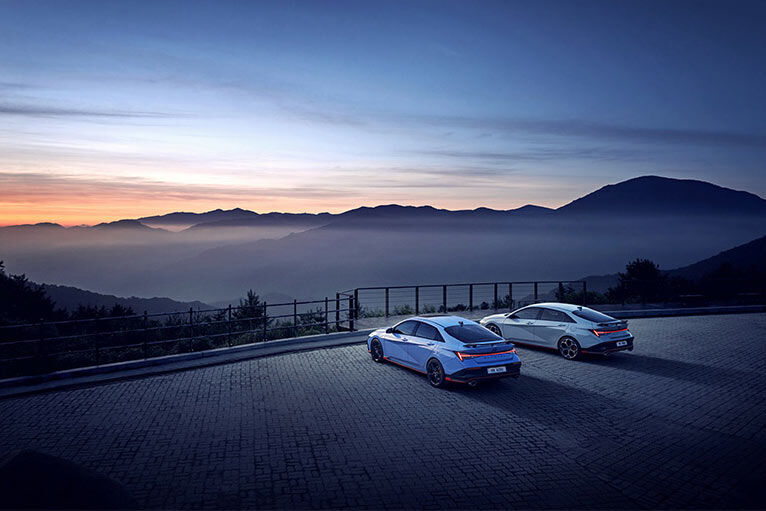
x=471 y=332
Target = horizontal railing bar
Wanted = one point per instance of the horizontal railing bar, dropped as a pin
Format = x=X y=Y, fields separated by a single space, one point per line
x=186 y=313
x=469 y=284
x=200 y=324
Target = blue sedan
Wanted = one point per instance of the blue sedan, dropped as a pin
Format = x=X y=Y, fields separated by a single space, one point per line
x=446 y=349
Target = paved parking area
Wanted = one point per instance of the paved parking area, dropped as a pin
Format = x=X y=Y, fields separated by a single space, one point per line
x=678 y=423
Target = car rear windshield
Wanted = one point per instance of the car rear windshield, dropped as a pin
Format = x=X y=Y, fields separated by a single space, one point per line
x=591 y=315
x=471 y=333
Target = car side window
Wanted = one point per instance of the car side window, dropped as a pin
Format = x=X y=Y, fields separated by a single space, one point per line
x=427 y=331
x=554 y=315
x=529 y=313
x=406 y=327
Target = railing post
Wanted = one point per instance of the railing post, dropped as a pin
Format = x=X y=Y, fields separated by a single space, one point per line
x=295 y=318
x=146 y=336
x=337 y=312
x=623 y=291
x=228 y=326
x=265 y=323
x=561 y=292
x=584 y=292
x=95 y=342
x=470 y=297
x=191 y=328
x=356 y=303
x=510 y=297
x=444 y=298
x=417 y=300
x=41 y=351
x=350 y=313
x=386 y=302
x=495 y=305
x=535 y=292
x=326 y=321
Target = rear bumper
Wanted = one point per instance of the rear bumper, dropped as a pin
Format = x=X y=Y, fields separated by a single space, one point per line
x=609 y=347
x=512 y=370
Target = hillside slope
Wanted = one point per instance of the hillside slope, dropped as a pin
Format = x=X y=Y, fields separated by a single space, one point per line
x=68 y=297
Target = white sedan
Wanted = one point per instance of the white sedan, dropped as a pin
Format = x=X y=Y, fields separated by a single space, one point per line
x=570 y=329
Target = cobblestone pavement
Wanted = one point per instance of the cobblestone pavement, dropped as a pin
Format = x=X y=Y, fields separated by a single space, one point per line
x=679 y=422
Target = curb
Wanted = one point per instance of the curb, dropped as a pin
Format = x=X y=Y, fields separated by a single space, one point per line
x=84 y=376
x=688 y=311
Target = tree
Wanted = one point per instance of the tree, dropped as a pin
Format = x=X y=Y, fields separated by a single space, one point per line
x=22 y=301
x=642 y=280
x=251 y=309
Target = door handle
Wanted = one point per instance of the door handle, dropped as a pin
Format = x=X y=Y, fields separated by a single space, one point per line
x=429 y=344
x=404 y=339
x=530 y=322
x=562 y=324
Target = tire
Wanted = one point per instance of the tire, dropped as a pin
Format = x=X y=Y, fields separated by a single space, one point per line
x=376 y=351
x=569 y=348
x=435 y=374
x=494 y=329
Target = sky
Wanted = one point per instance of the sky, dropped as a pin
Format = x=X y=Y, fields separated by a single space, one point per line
x=114 y=109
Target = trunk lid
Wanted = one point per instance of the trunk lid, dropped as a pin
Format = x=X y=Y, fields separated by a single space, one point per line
x=480 y=348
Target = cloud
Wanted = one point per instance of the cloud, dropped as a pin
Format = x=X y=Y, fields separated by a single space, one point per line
x=575 y=128
x=536 y=154
x=301 y=102
x=31 y=187
x=51 y=111
x=13 y=86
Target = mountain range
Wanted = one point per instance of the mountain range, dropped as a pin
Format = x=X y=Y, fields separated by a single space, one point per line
x=218 y=255
x=69 y=298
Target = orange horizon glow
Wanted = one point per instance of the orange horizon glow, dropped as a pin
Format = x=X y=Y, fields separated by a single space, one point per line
x=67 y=215
x=70 y=201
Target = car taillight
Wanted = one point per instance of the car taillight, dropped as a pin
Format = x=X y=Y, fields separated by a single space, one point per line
x=599 y=333
x=462 y=356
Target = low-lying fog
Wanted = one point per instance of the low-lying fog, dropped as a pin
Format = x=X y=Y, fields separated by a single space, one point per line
x=220 y=264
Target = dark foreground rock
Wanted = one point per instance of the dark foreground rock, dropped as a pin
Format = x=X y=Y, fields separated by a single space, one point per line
x=34 y=480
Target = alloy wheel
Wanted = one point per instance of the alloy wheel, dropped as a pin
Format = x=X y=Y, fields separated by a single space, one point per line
x=495 y=330
x=569 y=348
x=376 y=351
x=435 y=373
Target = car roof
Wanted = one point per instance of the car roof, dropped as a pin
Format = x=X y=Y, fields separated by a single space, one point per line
x=443 y=321
x=564 y=307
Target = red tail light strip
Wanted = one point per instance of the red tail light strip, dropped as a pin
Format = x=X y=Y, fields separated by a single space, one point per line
x=602 y=332
x=462 y=356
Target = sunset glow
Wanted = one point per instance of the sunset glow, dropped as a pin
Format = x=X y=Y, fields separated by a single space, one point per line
x=123 y=110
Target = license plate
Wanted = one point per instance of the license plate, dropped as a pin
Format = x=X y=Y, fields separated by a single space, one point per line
x=622 y=343
x=495 y=370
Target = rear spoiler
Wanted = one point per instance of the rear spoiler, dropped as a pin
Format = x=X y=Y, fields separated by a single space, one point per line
x=487 y=343
x=617 y=323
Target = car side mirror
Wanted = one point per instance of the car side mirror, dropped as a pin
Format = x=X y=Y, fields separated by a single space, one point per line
x=389 y=330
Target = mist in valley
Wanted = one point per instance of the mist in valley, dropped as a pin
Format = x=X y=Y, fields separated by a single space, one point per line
x=313 y=256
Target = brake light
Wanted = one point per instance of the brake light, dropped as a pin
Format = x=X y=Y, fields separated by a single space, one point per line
x=599 y=333
x=463 y=356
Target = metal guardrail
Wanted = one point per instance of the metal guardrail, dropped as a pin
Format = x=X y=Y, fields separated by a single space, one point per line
x=44 y=347
x=441 y=298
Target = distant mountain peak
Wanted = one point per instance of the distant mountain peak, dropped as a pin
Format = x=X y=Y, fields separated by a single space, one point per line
x=122 y=224
x=656 y=195
x=532 y=209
